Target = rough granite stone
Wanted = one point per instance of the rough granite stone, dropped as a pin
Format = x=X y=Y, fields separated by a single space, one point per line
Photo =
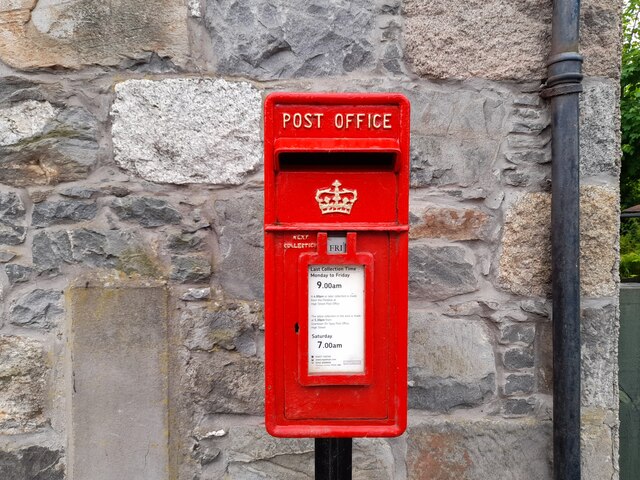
x=516 y=358
x=79 y=192
x=13 y=230
x=46 y=144
x=227 y=382
x=187 y=130
x=451 y=363
x=51 y=250
x=527 y=149
x=456 y=161
x=517 y=333
x=72 y=34
x=91 y=247
x=190 y=269
x=251 y=450
x=479 y=449
x=23 y=376
x=518 y=406
x=120 y=249
x=502 y=40
x=37 y=309
x=599 y=438
x=239 y=228
x=147 y=211
x=253 y=455
x=519 y=384
x=32 y=463
x=436 y=273
x=599 y=125
x=18 y=273
x=525 y=266
x=186 y=242
x=600 y=32
x=599 y=333
x=231 y=326
x=46 y=214
x=479 y=38
x=300 y=38
x=450 y=223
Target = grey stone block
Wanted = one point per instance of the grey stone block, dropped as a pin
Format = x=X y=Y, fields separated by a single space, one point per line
x=66 y=211
x=599 y=125
x=479 y=449
x=18 y=273
x=231 y=326
x=190 y=269
x=46 y=144
x=443 y=394
x=13 y=229
x=255 y=455
x=451 y=363
x=522 y=384
x=518 y=406
x=147 y=211
x=119 y=417
x=120 y=249
x=32 y=463
x=457 y=161
x=188 y=130
x=51 y=250
x=599 y=332
x=79 y=192
x=266 y=41
x=239 y=228
x=227 y=382
x=37 y=309
x=516 y=358
x=436 y=273
x=186 y=242
x=517 y=333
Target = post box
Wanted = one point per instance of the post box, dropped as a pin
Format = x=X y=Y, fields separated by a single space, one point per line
x=336 y=175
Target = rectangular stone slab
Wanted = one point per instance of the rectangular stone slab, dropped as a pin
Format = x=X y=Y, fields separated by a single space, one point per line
x=119 y=404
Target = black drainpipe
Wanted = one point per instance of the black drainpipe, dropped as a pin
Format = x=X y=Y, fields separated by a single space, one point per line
x=562 y=88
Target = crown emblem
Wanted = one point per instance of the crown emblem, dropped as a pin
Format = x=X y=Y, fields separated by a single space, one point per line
x=336 y=199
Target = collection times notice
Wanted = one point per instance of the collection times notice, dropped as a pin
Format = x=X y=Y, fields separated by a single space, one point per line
x=336 y=319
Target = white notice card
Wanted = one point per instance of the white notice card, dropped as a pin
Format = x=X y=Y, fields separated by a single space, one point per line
x=336 y=319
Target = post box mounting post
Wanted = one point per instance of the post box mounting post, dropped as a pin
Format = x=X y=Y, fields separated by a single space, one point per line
x=333 y=458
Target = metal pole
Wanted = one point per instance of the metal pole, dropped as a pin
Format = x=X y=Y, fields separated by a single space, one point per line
x=333 y=458
x=563 y=88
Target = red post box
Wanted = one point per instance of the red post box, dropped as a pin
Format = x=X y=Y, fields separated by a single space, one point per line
x=336 y=239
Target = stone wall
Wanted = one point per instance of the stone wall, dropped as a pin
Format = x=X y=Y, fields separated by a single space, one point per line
x=131 y=339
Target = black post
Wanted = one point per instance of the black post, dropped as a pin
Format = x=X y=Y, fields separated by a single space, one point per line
x=333 y=458
x=563 y=88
